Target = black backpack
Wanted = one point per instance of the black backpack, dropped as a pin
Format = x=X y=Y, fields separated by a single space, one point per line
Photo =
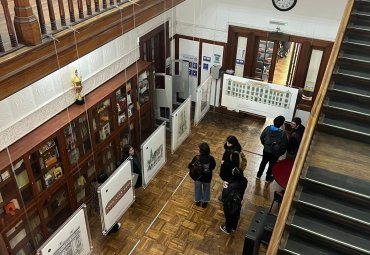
x=276 y=141
x=233 y=202
x=196 y=169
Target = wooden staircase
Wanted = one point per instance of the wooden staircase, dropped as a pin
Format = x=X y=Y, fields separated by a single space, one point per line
x=326 y=208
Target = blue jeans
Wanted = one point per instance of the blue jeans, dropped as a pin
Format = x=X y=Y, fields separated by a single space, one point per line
x=202 y=191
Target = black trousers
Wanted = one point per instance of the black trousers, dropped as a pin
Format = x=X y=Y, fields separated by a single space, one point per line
x=231 y=220
x=267 y=158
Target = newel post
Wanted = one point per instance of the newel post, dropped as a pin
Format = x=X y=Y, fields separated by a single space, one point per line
x=26 y=24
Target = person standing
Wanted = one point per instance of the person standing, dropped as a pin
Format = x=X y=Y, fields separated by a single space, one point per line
x=295 y=137
x=202 y=186
x=129 y=152
x=233 y=194
x=230 y=158
x=274 y=141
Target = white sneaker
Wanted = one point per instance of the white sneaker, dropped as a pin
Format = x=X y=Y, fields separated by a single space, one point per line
x=119 y=225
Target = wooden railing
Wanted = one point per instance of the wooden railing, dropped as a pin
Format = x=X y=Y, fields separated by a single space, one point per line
x=307 y=138
x=35 y=18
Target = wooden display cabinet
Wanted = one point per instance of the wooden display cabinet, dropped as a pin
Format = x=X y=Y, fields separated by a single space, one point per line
x=82 y=180
x=77 y=139
x=106 y=159
x=25 y=235
x=56 y=209
x=124 y=138
x=23 y=181
x=46 y=165
x=102 y=120
x=143 y=89
x=121 y=103
x=131 y=99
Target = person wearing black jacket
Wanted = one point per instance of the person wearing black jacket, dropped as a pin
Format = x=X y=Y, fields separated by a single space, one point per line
x=295 y=137
x=202 y=187
x=238 y=183
x=129 y=152
x=230 y=158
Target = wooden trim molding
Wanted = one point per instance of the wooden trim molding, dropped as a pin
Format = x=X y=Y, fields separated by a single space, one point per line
x=29 y=64
x=307 y=138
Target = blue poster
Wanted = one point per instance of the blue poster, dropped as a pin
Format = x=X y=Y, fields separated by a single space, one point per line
x=205 y=66
x=190 y=72
x=205 y=58
x=195 y=73
x=195 y=65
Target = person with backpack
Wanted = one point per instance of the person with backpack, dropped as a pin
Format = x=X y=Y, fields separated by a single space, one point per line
x=233 y=194
x=202 y=184
x=274 y=141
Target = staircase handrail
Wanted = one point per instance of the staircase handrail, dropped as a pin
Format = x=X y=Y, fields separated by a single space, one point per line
x=307 y=137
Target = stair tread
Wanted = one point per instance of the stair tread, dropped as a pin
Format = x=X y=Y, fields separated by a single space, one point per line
x=363 y=58
x=361 y=13
x=354 y=73
x=356 y=42
x=358 y=27
x=332 y=231
x=352 y=125
x=351 y=89
x=300 y=245
x=339 y=180
x=363 y=109
x=317 y=198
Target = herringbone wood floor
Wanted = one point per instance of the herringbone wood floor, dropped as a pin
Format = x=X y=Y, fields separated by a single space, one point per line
x=164 y=220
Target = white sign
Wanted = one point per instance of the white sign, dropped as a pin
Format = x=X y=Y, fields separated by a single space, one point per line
x=180 y=124
x=153 y=154
x=258 y=97
x=73 y=237
x=202 y=104
x=116 y=195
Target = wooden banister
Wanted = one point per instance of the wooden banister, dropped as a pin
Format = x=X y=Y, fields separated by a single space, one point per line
x=40 y=13
x=9 y=23
x=62 y=13
x=307 y=138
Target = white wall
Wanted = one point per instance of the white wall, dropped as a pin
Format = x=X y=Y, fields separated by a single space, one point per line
x=32 y=106
x=209 y=19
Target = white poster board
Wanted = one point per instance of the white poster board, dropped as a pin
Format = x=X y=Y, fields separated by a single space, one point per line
x=73 y=237
x=258 y=97
x=180 y=124
x=203 y=102
x=116 y=195
x=153 y=154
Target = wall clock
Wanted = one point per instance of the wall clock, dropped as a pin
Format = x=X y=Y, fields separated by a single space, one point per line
x=284 y=5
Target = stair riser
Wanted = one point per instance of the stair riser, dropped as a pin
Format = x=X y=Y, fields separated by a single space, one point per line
x=360 y=20
x=343 y=221
x=362 y=6
x=343 y=133
x=343 y=78
x=353 y=65
x=344 y=196
x=355 y=49
x=343 y=115
x=354 y=34
x=348 y=97
x=317 y=239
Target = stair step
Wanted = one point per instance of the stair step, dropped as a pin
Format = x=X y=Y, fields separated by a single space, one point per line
x=363 y=59
x=358 y=28
x=331 y=232
x=352 y=107
x=350 y=88
x=339 y=206
x=361 y=14
x=338 y=181
x=300 y=244
x=361 y=42
x=357 y=74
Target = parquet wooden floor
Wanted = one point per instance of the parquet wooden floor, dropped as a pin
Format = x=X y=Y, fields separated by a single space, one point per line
x=164 y=220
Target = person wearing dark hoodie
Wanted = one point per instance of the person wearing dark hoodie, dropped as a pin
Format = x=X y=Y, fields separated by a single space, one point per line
x=202 y=187
x=274 y=141
x=233 y=194
x=230 y=158
x=129 y=152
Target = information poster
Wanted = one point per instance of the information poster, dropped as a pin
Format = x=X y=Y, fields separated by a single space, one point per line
x=116 y=195
x=202 y=104
x=153 y=154
x=73 y=237
x=258 y=97
x=181 y=124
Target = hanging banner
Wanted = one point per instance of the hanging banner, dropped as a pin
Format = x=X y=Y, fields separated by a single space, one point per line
x=258 y=97
x=73 y=237
x=116 y=195
x=153 y=154
x=202 y=104
x=180 y=124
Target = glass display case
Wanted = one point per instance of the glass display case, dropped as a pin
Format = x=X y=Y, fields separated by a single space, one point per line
x=46 y=165
x=102 y=120
x=121 y=106
x=82 y=182
x=264 y=57
x=77 y=138
x=23 y=181
x=143 y=88
x=56 y=209
x=130 y=99
x=124 y=138
x=106 y=159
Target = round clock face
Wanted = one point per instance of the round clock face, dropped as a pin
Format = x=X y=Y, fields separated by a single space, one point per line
x=284 y=5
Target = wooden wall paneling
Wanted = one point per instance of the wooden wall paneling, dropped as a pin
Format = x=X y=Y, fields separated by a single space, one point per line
x=302 y=65
x=323 y=65
x=273 y=61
